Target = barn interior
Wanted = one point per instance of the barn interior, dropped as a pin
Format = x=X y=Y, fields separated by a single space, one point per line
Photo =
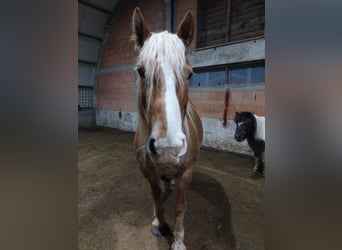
x=225 y=208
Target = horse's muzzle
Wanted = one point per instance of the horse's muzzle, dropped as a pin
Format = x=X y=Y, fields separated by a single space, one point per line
x=165 y=154
x=239 y=137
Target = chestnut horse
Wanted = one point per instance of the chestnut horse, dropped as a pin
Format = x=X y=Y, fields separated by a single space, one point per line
x=169 y=131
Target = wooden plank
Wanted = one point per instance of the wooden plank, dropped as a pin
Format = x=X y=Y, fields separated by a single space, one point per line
x=228 y=19
x=214 y=32
x=249 y=35
x=212 y=43
x=239 y=9
x=214 y=19
x=247 y=31
x=213 y=11
x=256 y=12
x=248 y=23
x=246 y=4
x=214 y=27
x=246 y=34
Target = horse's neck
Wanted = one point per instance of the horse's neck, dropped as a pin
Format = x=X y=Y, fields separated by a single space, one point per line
x=251 y=134
x=256 y=137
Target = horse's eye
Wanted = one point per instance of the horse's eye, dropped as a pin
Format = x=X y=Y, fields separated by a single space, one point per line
x=141 y=71
x=190 y=75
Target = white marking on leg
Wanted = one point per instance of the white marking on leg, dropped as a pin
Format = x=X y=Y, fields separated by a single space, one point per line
x=155 y=222
x=255 y=169
x=179 y=235
x=178 y=242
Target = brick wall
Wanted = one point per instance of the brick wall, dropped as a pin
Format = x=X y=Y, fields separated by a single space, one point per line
x=119 y=49
x=116 y=91
x=211 y=104
x=115 y=88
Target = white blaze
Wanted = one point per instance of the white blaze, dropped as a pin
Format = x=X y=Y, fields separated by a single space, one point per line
x=174 y=135
x=169 y=51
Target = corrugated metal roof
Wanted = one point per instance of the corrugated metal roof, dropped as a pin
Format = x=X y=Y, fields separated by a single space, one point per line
x=93 y=16
x=91 y=21
x=86 y=74
x=88 y=49
x=105 y=4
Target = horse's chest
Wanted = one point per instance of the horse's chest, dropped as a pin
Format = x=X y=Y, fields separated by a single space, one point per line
x=163 y=169
x=168 y=170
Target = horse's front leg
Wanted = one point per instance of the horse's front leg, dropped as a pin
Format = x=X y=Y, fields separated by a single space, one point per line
x=181 y=189
x=159 y=225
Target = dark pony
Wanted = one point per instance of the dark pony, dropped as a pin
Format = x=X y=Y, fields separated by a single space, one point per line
x=169 y=131
x=252 y=127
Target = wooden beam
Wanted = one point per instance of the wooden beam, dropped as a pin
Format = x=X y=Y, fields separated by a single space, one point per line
x=228 y=19
x=90 y=36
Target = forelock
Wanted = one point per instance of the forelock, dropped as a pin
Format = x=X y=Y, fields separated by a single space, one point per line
x=161 y=46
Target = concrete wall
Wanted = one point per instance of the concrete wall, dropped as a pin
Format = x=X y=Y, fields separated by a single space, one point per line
x=123 y=120
x=116 y=87
x=86 y=118
x=214 y=134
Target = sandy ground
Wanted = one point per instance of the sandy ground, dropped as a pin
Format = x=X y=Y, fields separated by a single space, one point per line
x=225 y=206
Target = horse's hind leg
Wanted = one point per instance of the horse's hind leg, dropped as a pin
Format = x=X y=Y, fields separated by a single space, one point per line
x=159 y=226
x=256 y=164
x=262 y=162
x=258 y=169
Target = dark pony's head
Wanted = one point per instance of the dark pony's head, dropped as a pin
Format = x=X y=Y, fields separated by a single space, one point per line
x=244 y=125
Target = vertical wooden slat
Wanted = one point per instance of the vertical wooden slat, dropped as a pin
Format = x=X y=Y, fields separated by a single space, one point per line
x=228 y=20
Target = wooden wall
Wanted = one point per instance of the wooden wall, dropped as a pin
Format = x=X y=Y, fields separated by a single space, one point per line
x=223 y=21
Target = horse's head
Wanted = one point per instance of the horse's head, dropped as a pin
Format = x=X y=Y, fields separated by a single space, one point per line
x=163 y=71
x=244 y=123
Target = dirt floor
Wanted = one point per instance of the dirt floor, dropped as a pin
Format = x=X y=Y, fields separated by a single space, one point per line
x=225 y=206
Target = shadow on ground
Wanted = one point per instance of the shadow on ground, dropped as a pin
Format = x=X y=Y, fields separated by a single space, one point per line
x=224 y=205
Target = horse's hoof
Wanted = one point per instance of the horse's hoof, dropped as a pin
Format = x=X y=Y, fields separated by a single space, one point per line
x=155 y=231
x=178 y=245
x=256 y=175
x=161 y=230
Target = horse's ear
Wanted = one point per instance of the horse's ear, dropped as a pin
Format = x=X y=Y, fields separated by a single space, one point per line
x=139 y=28
x=186 y=29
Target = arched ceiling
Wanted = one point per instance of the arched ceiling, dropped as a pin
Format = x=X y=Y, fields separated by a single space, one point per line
x=94 y=20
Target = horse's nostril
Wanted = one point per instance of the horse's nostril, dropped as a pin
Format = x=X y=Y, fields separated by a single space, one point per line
x=238 y=137
x=152 y=147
